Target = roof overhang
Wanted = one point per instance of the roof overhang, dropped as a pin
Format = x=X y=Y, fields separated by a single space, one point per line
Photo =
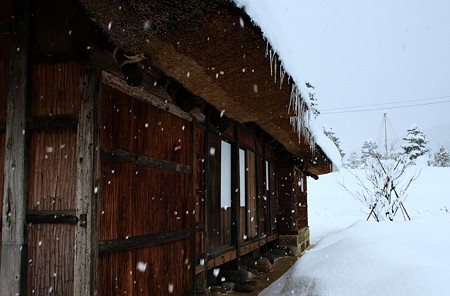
x=221 y=57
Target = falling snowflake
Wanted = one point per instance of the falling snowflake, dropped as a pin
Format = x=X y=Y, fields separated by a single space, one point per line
x=141 y=266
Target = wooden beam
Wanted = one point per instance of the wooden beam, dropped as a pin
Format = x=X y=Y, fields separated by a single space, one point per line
x=223 y=257
x=272 y=237
x=142 y=94
x=86 y=233
x=52 y=217
x=5 y=28
x=2 y=126
x=52 y=122
x=144 y=161
x=51 y=57
x=14 y=249
x=123 y=244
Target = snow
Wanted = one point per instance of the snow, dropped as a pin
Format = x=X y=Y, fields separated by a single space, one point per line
x=353 y=256
x=270 y=16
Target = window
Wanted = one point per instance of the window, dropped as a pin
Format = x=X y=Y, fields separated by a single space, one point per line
x=225 y=176
x=219 y=193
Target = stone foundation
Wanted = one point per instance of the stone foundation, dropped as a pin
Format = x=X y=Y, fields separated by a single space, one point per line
x=297 y=242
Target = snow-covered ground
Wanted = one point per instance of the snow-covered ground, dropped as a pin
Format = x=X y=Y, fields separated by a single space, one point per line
x=355 y=257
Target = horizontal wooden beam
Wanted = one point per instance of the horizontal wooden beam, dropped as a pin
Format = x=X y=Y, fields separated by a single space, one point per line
x=245 y=249
x=272 y=237
x=52 y=122
x=144 y=161
x=142 y=94
x=5 y=28
x=39 y=57
x=124 y=244
x=221 y=259
x=52 y=217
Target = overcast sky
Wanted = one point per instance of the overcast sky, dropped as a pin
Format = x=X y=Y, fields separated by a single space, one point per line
x=379 y=54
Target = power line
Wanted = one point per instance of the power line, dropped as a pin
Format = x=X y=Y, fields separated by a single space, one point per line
x=388 y=103
x=384 y=108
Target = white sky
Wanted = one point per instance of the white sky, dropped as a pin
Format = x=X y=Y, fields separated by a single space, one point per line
x=359 y=53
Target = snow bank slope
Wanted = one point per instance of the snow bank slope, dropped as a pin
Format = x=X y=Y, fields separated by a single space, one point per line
x=355 y=257
x=369 y=258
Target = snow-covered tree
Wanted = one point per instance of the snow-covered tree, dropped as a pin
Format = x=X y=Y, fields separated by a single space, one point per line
x=353 y=161
x=328 y=131
x=312 y=100
x=416 y=143
x=441 y=158
x=369 y=150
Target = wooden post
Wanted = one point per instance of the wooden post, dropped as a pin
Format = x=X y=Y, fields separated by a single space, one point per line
x=14 y=251
x=86 y=234
x=191 y=218
x=235 y=199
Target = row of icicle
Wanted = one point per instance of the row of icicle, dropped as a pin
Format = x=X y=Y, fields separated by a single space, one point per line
x=302 y=114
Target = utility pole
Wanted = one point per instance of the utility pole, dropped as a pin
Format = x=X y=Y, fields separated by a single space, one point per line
x=385 y=136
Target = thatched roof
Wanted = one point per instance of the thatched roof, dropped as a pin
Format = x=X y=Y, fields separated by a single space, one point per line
x=215 y=51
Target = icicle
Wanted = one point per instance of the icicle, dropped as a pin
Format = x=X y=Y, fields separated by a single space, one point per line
x=267 y=49
x=282 y=74
x=271 y=61
x=291 y=101
x=275 y=66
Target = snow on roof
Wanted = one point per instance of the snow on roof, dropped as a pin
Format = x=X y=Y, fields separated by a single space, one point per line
x=281 y=33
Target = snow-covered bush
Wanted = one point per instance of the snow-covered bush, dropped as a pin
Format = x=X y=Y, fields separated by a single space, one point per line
x=384 y=186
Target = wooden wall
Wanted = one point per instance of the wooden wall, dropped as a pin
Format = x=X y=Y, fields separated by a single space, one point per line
x=292 y=199
x=52 y=144
x=285 y=198
x=301 y=205
x=146 y=210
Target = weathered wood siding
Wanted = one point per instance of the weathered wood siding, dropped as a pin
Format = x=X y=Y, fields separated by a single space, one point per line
x=141 y=202
x=55 y=93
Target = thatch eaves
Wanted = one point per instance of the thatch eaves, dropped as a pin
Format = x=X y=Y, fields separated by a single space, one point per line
x=215 y=51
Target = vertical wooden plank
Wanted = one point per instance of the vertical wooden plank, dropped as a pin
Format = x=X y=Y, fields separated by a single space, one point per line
x=13 y=253
x=235 y=200
x=273 y=199
x=86 y=206
x=251 y=214
x=192 y=202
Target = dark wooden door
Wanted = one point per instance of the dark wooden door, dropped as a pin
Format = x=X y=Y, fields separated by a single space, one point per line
x=146 y=211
